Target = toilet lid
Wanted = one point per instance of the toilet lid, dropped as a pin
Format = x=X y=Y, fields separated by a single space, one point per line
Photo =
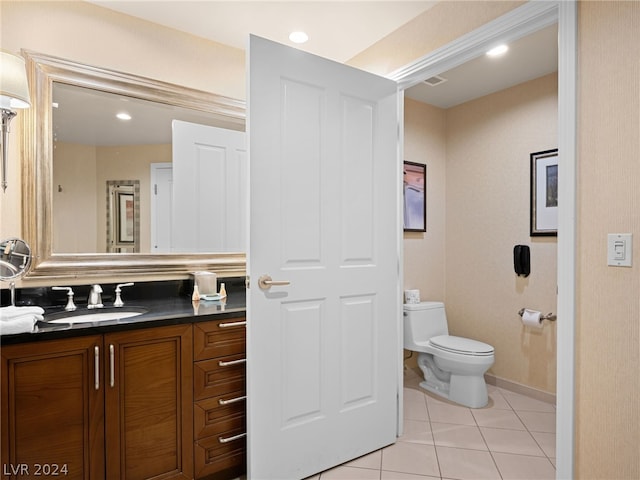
x=461 y=345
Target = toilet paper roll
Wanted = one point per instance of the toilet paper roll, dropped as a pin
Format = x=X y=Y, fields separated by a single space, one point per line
x=532 y=318
x=412 y=296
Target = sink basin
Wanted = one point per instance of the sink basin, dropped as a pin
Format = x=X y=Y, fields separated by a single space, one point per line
x=93 y=316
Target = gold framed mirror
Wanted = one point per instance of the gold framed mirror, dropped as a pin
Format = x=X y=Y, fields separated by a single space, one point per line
x=38 y=189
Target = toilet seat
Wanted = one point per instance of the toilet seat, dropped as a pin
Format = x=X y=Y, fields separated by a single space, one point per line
x=461 y=346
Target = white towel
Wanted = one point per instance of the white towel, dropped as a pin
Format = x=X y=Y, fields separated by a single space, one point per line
x=19 y=319
x=7 y=313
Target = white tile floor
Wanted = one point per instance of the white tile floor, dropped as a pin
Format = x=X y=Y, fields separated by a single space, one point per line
x=512 y=438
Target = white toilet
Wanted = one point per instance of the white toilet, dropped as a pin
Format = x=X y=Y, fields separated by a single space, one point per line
x=453 y=367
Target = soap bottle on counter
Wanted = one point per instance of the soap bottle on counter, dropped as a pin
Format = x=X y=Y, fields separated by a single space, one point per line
x=195 y=297
x=223 y=291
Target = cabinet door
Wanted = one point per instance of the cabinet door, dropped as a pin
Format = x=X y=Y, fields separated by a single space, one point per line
x=53 y=409
x=149 y=403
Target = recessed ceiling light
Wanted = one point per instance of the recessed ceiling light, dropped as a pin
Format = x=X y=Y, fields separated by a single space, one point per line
x=123 y=116
x=497 y=51
x=298 y=37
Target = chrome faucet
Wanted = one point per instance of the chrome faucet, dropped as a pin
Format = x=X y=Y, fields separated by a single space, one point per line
x=118 y=302
x=95 y=297
x=70 y=305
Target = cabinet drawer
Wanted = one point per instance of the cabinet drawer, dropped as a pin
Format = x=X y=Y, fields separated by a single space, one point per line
x=217 y=460
x=220 y=376
x=215 y=416
x=219 y=338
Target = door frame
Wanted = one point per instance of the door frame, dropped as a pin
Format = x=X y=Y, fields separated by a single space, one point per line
x=153 y=170
x=518 y=23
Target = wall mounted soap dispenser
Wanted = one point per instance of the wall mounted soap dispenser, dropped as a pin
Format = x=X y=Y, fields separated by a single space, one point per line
x=522 y=260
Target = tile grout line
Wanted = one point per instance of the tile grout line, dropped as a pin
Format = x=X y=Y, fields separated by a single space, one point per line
x=535 y=440
x=515 y=411
x=495 y=464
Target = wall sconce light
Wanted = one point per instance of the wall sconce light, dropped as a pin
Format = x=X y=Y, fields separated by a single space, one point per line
x=14 y=93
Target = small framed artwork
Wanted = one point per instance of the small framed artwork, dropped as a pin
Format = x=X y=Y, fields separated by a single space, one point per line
x=125 y=228
x=544 y=193
x=415 y=200
x=123 y=216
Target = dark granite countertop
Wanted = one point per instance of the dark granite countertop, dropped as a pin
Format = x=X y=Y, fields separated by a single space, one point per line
x=159 y=310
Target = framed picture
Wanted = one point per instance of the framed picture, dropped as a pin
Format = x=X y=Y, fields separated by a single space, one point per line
x=125 y=207
x=415 y=200
x=123 y=216
x=544 y=193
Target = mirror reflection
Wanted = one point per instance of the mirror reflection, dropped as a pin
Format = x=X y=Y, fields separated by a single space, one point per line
x=101 y=139
x=46 y=73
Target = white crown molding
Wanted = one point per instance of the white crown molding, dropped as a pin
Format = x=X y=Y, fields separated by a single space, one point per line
x=518 y=23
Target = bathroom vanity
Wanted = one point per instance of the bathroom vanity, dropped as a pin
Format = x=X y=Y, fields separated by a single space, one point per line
x=158 y=395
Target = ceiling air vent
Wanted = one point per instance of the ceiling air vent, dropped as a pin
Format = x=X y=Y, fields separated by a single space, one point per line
x=435 y=80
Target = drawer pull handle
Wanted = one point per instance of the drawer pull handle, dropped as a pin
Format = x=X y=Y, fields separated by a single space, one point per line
x=96 y=363
x=231 y=324
x=112 y=379
x=231 y=400
x=231 y=362
x=231 y=439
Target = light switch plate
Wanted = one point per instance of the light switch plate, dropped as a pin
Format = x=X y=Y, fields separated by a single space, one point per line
x=619 y=249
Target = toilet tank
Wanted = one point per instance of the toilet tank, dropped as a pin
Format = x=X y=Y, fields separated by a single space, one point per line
x=423 y=321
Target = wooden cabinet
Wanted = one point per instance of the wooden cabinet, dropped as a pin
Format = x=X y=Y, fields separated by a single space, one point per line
x=52 y=412
x=115 y=406
x=219 y=399
x=148 y=403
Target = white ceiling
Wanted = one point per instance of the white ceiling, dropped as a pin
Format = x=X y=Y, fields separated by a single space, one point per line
x=341 y=29
x=338 y=29
x=88 y=117
x=527 y=58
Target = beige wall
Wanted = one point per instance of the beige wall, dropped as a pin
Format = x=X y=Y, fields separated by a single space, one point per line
x=80 y=204
x=608 y=298
x=86 y=33
x=424 y=142
x=487 y=212
x=477 y=157
x=75 y=199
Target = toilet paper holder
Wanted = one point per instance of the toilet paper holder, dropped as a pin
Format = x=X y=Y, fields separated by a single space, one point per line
x=549 y=316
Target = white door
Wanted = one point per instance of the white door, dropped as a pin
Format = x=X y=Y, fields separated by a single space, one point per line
x=209 y=189
x=161 y=193
x=322 y=351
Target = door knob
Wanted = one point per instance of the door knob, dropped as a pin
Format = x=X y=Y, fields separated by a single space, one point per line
x=265 y=282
